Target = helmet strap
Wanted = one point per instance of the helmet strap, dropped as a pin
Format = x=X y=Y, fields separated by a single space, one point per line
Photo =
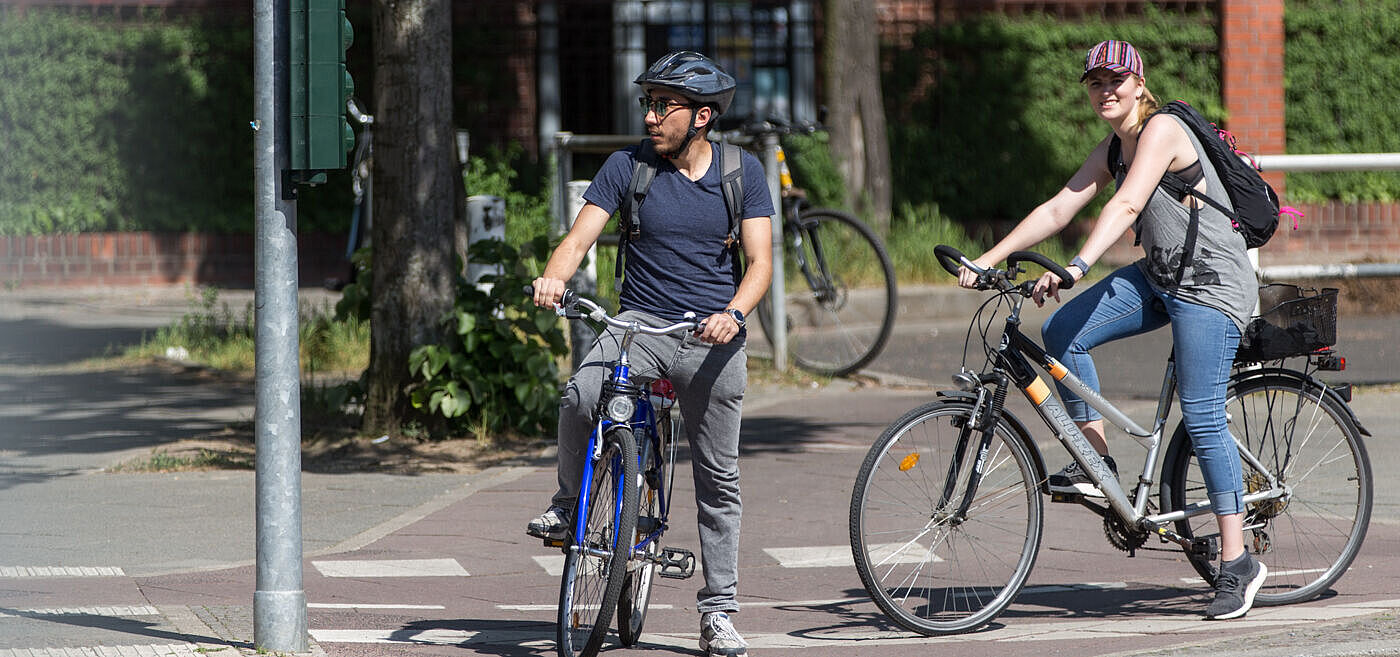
x=689 y=135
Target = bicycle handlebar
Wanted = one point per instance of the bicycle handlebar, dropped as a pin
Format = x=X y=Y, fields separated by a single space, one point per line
x=568 y=309
x=952 y=259
x=777 y=126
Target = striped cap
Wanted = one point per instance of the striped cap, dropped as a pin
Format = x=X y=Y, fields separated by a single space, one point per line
x=1117 y=56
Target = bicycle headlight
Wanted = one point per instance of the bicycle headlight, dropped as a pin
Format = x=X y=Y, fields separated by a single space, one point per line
x=620 y=408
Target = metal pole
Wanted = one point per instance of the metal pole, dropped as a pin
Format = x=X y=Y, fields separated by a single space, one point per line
x=1330 y=162
x=279 y=603
x=548 y=70
x=585 y=280
x=629 y=61
x=777 y=300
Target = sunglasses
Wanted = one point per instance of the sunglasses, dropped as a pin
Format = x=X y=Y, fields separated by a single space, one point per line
x=661 y=106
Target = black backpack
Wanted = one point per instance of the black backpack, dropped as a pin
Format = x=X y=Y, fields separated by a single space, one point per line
x=1255 y=205
x=731 y=169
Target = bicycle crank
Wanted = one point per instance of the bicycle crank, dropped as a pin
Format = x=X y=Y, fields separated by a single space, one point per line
x=1205 y=547
x=676 y=563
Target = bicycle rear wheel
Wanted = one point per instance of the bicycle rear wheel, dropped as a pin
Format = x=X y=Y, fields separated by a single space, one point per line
x=936 y=561
x=1307 y=440
x=597 y=561
x=841 y=293
x=657 y=471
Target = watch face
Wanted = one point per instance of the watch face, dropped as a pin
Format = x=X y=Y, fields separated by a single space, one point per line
x=738 y=315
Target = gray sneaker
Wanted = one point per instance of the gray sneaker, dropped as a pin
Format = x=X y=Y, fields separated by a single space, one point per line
x=1235 y=587
x=718 y=638
x=552 y=524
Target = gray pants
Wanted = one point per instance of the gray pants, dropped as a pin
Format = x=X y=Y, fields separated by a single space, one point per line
x=709 y=382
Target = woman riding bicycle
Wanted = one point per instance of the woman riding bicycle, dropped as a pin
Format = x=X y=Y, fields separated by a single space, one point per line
x=1207 y=295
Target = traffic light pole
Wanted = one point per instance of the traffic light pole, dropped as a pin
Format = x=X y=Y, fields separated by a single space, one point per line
x=279 y=603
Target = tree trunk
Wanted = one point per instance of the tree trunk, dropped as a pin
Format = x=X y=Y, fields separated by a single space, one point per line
x=415 y=183
x=855 y=108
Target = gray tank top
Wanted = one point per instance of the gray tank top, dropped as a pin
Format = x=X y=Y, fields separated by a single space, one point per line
x=1218 y=273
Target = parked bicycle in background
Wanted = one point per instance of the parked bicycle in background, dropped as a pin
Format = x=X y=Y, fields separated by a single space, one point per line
x=840 y=293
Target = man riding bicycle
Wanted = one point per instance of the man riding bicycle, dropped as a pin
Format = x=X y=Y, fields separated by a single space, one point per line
x=678 y=259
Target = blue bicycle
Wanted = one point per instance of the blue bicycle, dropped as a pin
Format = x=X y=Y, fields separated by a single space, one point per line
x=614 y=550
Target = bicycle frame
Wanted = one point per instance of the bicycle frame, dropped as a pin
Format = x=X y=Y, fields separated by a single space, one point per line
x=1014 y=356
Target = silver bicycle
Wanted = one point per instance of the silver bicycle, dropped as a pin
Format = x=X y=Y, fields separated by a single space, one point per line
x=947 y=512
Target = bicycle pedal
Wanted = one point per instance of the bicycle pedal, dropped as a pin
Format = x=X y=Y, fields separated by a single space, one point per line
x=554 y=542
x=676 y=563
x=1065 y=498
x=1207 y=547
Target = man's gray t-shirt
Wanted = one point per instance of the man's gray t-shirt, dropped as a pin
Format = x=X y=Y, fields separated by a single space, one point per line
x=1218 y=273
x=680 y=263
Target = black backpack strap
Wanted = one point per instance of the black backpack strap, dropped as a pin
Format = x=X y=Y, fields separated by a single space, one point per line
x=731 y=169
x=629 y=227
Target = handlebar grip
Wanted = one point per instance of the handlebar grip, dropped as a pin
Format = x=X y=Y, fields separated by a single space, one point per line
x=1066 y=281
x=529 y=290
x=949 y=257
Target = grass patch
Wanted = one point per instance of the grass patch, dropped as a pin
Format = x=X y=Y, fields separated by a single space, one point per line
x=214 y=334
x=204 y=459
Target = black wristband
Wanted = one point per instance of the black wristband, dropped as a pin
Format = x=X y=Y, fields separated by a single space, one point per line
x=1079 y=262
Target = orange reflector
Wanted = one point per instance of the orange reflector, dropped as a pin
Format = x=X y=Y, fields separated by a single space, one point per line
x=1038 y=391
x=908 y=462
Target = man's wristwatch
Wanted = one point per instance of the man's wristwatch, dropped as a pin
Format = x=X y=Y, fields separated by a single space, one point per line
x=737 y=314
x=1083 y=266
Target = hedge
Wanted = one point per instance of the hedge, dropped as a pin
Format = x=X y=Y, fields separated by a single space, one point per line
x=144 y=124
x=1342 y=67
x=114 y=125
x=987 y=116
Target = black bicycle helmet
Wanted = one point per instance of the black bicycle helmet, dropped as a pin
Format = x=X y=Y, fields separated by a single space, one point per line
x=692 y=75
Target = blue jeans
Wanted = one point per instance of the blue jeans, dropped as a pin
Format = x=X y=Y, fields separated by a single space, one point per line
x=1204 y=340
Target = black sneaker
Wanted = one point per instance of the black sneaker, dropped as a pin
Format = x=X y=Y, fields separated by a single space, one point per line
x=1073 y=479
x=1235 y=587
x=552 y=524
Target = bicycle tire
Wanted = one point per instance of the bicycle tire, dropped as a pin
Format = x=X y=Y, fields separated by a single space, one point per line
x=637 y=587
x=1307 y=438
x=592 y=582
x=840 y=311
x=960 y=575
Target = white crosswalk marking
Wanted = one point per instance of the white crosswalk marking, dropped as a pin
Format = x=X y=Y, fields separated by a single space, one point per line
x=61 y=571
x=159 y=650
x=839 y=556
x=358 y=605
x=392 y=568
x=111 y=611
x=433 y=637
x=553 y=565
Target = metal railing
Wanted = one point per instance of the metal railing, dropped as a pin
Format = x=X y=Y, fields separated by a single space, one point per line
x=1327 y=162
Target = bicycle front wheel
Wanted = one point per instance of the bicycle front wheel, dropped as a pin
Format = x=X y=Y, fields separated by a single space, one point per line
x=1306 y=439
x=939 y=553
x=597 y=561
x=841 y=297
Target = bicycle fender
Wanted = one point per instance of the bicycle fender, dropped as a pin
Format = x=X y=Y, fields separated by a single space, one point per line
x=1241 y=377
x=1022 y=434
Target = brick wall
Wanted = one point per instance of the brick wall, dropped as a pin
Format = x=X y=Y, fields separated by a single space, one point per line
x=120 y=259
x=1251 y=58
